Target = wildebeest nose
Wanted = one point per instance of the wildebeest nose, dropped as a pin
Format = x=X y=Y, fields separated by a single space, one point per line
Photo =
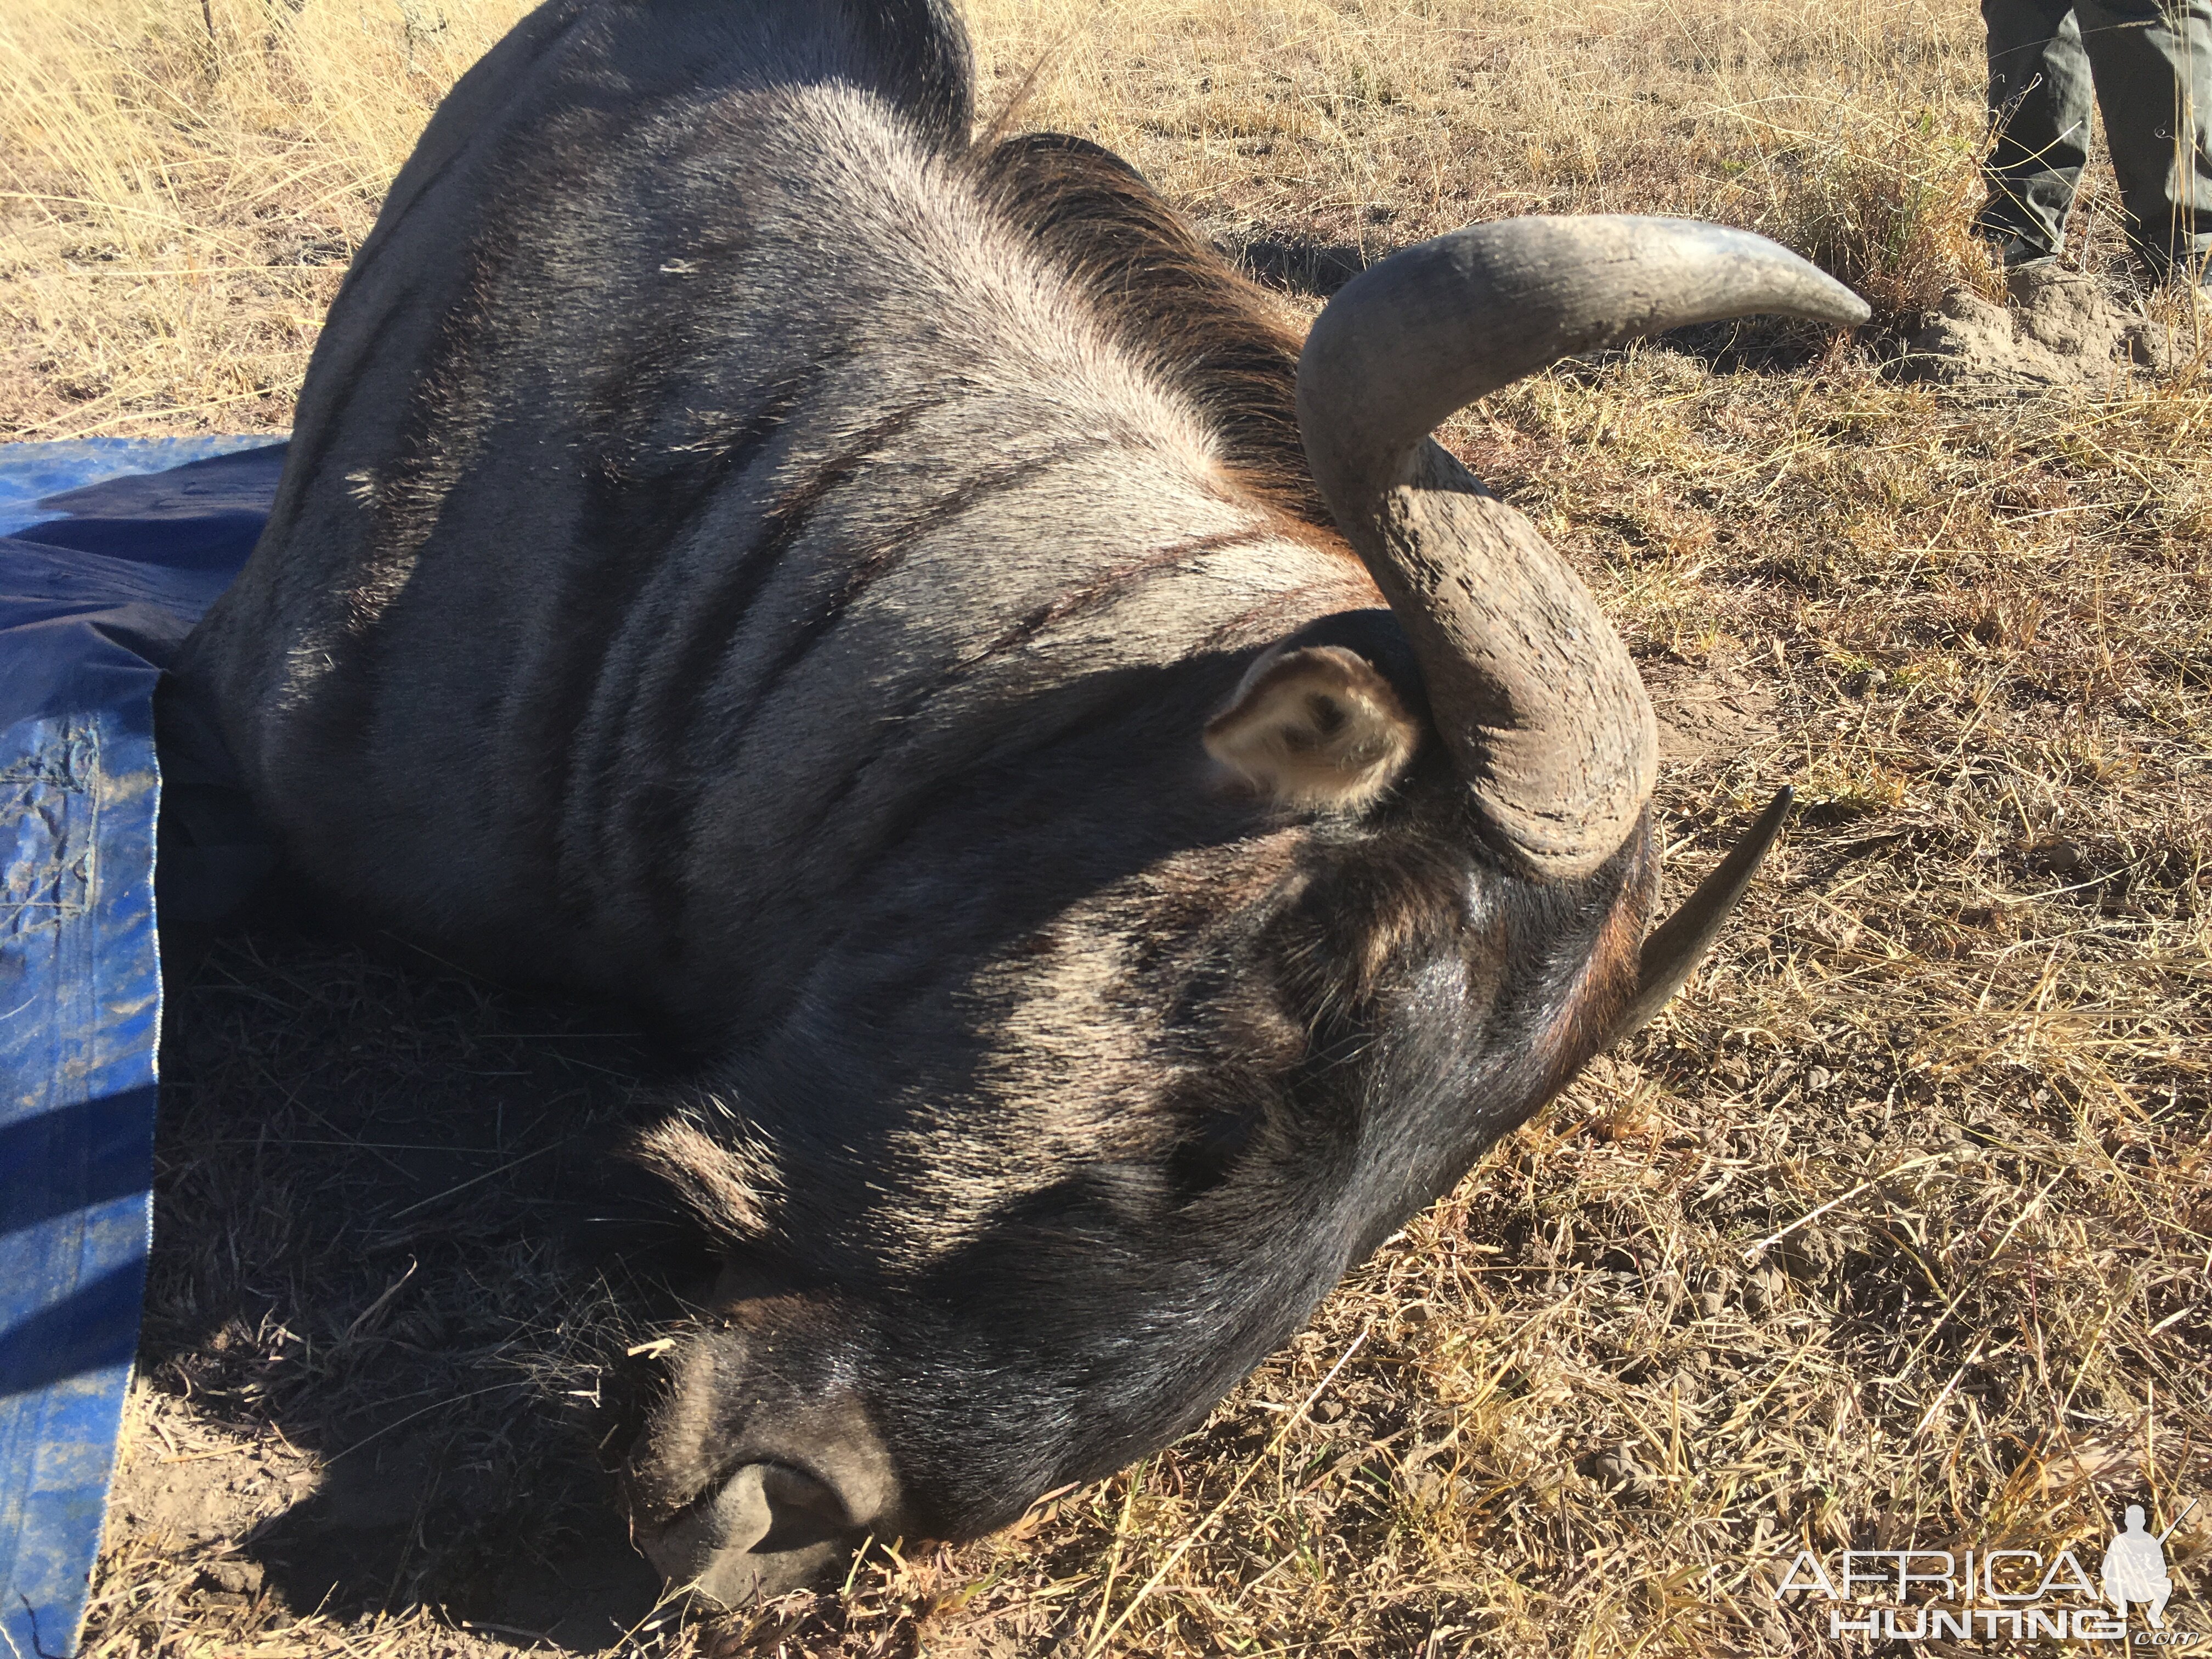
x=760 y=1468
x=767 y=1530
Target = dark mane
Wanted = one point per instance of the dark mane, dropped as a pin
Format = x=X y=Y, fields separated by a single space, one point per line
x=921 y=49
x=1208 y=330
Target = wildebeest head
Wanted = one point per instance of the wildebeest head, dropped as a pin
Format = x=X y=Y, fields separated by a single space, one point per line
x=1374 y=892
x=1137 y=816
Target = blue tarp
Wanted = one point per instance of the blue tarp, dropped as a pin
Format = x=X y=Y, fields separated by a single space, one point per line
x=102 y=571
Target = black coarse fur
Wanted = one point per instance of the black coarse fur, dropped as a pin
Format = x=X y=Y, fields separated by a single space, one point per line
x=924 y=65
x=745 y=551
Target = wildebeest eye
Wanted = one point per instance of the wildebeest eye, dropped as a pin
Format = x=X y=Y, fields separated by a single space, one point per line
x=1202 y=1161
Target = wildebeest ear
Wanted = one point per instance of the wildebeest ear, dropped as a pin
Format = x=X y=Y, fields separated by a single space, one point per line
x=1314 y=725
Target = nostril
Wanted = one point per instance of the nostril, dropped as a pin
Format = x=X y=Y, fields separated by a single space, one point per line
x=767 y=1529
x=759 y=1466
x=682 y=1544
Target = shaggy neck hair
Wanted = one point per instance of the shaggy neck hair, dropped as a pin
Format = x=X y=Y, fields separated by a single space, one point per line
x=1198 y=326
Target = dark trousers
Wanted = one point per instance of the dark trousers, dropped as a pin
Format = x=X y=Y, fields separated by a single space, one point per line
x=2151 y=60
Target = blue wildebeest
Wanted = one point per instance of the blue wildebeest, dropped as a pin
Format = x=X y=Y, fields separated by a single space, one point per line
x=1132 y=817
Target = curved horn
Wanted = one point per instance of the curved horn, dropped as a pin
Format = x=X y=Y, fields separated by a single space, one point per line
x=1673 y=950
x=1535 y=697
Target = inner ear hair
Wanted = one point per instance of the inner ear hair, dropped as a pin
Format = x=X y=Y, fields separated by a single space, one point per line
x=1318 y=725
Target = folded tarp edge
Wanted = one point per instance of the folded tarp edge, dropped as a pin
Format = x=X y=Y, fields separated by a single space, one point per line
x=95 y=592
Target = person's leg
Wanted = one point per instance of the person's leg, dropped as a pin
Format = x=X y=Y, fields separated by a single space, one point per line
x=2153 y=60
x=2039 y=103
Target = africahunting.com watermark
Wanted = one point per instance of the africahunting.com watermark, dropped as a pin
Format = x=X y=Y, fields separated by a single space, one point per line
x=1927 y=1595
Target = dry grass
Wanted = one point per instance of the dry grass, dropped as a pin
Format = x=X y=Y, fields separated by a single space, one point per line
x=1591 y=1403
x=184 y=182
x=184 y=185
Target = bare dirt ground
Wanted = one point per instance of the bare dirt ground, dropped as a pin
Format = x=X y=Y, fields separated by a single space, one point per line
x=1896 y=1230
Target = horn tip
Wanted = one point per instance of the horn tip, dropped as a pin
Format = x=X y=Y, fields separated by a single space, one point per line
x=1671 y=950
x=1843 y=308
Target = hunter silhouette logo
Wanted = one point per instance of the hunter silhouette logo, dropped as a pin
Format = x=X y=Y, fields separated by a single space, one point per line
x=1920 y=1594
x=2135 y=1569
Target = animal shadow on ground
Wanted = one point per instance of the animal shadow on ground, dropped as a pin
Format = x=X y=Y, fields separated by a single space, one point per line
x=1317 y=269
x=394 y=1234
